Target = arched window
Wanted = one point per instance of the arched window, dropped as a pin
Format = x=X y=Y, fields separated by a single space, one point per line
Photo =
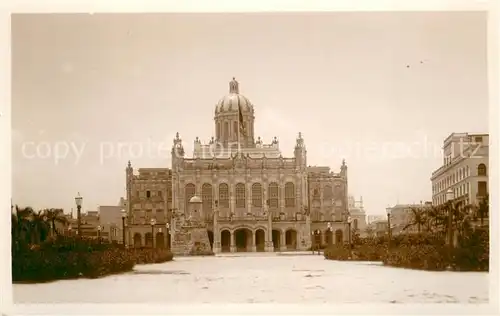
x=240 y=195
x=273 y=195
x=223 y=195
x=189 y=192
x=226 y=130
x=257 y=195
x=206 y=198
x=481 y=169
x=289 y=194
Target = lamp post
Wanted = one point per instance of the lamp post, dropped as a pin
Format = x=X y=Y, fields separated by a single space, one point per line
x=349 y=221
x=449 y=200
x=78 y=201
x=153 y=223
x=167 y=226
x=99 y=232
x=124 y=215
x=330 y=231
x=389 y=232
x=315 y=233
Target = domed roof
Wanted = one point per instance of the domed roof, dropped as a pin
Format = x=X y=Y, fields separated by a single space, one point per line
x=195 y=199
x=230 y=102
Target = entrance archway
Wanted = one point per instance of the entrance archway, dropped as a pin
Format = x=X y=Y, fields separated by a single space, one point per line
x=276 y=239
x=160 y=240
x=211 y=239
x=339 y=238
x=260 y=239
x=328 y=237
x=225 y=241
x=137 y=240
x=243 y=238
x=291 y=239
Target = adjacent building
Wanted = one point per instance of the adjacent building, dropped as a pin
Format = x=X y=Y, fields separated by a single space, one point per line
x=403 y=217
x=464 y=169
x=358 y=215
x=263 y=200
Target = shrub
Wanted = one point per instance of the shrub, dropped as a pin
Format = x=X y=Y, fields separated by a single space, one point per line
x=150 y=255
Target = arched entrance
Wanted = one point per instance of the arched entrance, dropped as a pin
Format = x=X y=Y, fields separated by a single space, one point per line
x=137 y=240
x=339 y=238
x=225 y=241
x=291 y=239
x=243 y=238
x=276 y=239
x=211 y=239
x=160 y=240
x=328 y=237
x=260 y=239
x=149 y=240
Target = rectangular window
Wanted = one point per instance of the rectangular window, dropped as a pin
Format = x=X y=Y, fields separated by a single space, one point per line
x=160 y=194
x=482 y=188
x=148 y=194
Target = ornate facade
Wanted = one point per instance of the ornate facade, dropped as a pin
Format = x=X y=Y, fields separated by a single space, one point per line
x=253 y=198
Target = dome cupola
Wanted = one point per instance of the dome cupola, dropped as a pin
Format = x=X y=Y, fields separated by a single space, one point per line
x=230 y=102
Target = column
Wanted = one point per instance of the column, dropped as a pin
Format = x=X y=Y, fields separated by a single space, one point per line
x=254 y=246
x=269 y=247
x=321 y=205
x=283 y=241
x=217 y=245
x=233 y=242
x=248 y=196
x=232 y=200
x=282 y=198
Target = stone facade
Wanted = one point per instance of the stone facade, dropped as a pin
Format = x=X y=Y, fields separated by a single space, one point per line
x=252 y=198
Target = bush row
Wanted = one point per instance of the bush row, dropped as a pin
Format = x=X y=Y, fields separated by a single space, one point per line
x=420 y=251
x=67 y=258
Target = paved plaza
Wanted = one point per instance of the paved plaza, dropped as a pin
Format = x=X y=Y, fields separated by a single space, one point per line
x=264 y=278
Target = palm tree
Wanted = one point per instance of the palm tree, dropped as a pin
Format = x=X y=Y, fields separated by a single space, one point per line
x=55 y=215
x=418 y=219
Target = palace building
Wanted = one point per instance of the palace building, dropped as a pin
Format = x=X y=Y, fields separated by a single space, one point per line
x=252 y=197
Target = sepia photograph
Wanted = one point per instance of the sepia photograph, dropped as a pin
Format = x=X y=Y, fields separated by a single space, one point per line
x=250 y=158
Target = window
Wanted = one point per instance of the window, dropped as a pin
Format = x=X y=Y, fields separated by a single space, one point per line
x=478 y=139
x=240 y=195
x=160 y=194
x=169 y=194
x=273 y=195
x=226 y=130
x=482 y=188
x=148 y=194
x=289 y=194
x=149 y=214
x=257 y=195
x=223 y=195
x=206 y=197
x=235 y=128
x=481 y=170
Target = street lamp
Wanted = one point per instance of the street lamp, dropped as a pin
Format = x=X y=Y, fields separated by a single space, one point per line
x=315 y=233
x=153 y=223
x=124 y=215
x=449 y=200
x=389 y=232
x=99 y=232
x=330 y=230
x=167 y=225
x=78 y=201
x=349 y=221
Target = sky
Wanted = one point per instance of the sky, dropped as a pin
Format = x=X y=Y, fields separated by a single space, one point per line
x=381 y=90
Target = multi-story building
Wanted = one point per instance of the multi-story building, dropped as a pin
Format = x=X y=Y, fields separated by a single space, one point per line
x=110 y=220
x=464 y=169
x=263 y=200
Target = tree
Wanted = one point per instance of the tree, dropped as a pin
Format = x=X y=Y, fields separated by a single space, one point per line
x=55 y=215
x=418 y=218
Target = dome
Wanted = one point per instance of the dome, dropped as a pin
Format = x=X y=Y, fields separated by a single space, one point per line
x=230 y=102
x=195 y=199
